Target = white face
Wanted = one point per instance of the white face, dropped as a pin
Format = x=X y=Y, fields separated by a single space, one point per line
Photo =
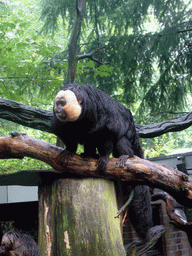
x=67 y=107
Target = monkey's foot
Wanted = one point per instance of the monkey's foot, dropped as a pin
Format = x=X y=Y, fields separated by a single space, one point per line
x=65 y=156
x=140 y=247
x=122 y=160
x=102 y=163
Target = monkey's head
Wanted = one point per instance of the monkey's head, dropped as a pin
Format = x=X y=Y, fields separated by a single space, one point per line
x=67 y=106
x=7 y=243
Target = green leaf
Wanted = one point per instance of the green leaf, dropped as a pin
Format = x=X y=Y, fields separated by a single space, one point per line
x=90 y=64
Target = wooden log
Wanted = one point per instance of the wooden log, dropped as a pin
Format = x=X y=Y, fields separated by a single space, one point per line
x=136 y=171
x=81 y=225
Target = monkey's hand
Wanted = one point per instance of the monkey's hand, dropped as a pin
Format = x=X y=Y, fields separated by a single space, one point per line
x=122 y=160
x=64 y=156
x=102 y=163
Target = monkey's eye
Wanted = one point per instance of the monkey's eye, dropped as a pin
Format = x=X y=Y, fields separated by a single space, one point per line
x=62 y=103
x=2 y=244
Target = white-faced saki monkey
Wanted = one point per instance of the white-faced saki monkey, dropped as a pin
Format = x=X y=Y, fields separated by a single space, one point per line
x=19 y=244
x=86 y=115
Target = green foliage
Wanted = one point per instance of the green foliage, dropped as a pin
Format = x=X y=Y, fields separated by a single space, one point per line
x=104 y=70
x=27 y=69
x=168 y=143
x=145 y=61
x=152 y=69
x=13 y=165
x=161 y=145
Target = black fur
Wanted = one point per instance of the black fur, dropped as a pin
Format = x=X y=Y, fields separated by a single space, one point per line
x=107 y=125
x=18 y=243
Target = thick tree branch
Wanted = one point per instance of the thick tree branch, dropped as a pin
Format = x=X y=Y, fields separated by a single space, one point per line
x=157 y=129
x=41 y=119
x=136 y=171
x=28 y=116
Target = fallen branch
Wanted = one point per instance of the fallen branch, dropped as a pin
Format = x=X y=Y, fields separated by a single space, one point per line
x=136 y=171
x=175 y=213
x=171 y=208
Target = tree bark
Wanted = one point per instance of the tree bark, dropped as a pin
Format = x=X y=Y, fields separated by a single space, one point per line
x=16 y=112
x=157 y=129
x=73 y=58
x=77 y=218
x=136 y=171
x=40 y=119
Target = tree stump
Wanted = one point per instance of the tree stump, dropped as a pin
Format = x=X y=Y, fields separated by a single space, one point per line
x=77 y=217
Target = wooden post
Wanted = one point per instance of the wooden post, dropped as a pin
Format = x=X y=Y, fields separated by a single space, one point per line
x=77 y=217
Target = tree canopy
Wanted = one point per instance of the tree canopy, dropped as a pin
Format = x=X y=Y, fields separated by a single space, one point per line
x=142 y=50
x=146 y=55
x=139 y=52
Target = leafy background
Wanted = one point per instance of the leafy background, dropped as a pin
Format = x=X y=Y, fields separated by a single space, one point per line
x=145 y=61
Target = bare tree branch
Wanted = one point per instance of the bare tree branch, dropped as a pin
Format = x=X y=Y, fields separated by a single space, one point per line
x=136 y=171
x=90 y=55
x=28 y=116
x=157 y=129
x=184 y=30
x=41 y=119
x=176 y=219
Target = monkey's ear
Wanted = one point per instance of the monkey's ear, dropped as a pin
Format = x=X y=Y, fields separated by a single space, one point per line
x=80 y=99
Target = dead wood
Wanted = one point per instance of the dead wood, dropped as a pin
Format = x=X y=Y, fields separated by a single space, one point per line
x=175 y=213
x=136 y=171
x=41 y=119
x=177 y=219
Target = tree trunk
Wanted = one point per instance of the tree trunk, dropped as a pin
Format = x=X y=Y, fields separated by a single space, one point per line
x=73 y=57
x=76 y=217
